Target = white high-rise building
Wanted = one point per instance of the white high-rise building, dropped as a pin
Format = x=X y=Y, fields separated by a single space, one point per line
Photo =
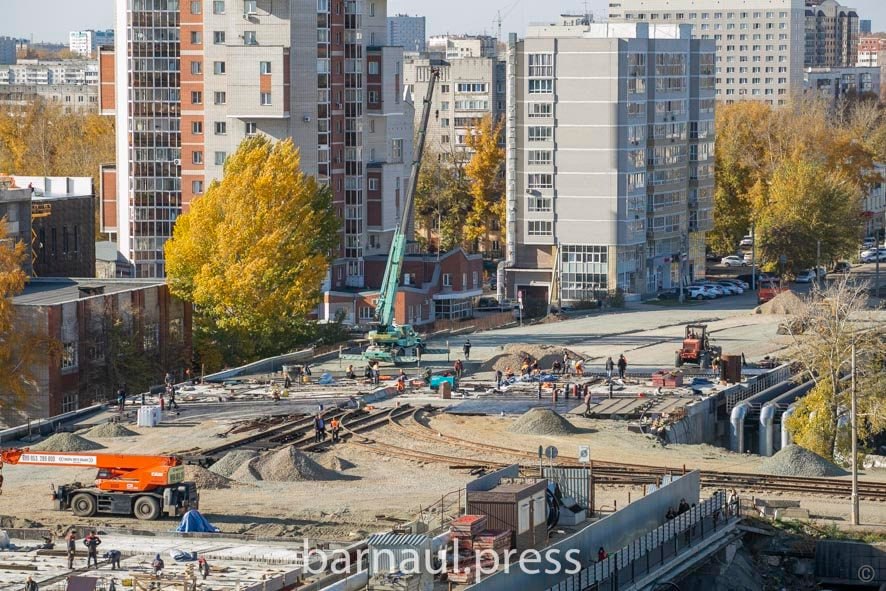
x=86 y=43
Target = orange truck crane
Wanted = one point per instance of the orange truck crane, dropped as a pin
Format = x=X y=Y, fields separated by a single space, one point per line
x=126 y=484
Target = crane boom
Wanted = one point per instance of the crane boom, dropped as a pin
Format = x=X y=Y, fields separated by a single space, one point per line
x=384 y=309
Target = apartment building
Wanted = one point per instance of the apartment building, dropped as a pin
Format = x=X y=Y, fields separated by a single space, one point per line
x=831 y=35
x=86 y=43
x=195 y=77
x=407 y=32
x=610 y=160
x=455 y=46
x=36 y=72
x=760 y=44
x=871 y=52
x=8 y=50
x=71 y=97
x=836 y=83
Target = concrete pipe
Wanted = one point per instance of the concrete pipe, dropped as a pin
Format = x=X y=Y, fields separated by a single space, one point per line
x=767 y=420
x=785 y=433
x=736 y=420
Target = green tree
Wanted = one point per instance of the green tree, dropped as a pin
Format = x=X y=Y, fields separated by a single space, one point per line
x=442 y=198
x=484 y=173
x=252 y=252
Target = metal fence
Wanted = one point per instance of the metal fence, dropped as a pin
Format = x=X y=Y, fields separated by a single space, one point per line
x=741 y=392
x=645 y=554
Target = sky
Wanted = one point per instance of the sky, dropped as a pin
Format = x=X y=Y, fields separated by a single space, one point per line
x=51 y=20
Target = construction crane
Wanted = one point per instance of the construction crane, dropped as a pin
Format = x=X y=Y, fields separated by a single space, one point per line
x=126 y=484
x=391 y=342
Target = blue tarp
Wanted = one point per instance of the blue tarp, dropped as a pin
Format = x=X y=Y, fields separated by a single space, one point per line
x=193 y=521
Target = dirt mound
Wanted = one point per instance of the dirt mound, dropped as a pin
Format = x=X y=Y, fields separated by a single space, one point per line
x=338 y=464
x=110 y=430
x=798 y=461
x=206 y=479
x=66 y=442
x=786 y=302
x=231 y=462
x=10 y=521
x=542 y=421
x=284 y=465
x=513 y=356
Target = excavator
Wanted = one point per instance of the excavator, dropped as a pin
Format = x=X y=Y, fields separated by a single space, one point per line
x=126 y=484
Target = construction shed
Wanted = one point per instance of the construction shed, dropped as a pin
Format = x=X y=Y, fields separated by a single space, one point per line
x=519 y=506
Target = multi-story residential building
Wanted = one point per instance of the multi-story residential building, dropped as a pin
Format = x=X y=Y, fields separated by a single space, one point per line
x=835 y=83
x=831 y=35
x=871 y=52
x=874 y=205
x=610 y=158
x=407 y=32
x=86 y=43
x=195 y=77
x=71 y=97
x=34 y=72
x=864 y=26
x=15 y=210
x=8 y=50
x=455 y=46
x=761 y=44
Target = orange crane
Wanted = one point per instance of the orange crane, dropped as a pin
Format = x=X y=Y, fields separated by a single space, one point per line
x=126 y=484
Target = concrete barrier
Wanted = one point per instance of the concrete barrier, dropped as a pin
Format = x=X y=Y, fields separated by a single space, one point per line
x=47 y=426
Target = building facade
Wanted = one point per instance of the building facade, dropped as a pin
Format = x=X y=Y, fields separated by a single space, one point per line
x=15 y=209
x=407 y=32
x=831 y=35
x=610 y=160
x=71 y=97
x=44 y=72
x=760 y=44
x=8 y=50
x=457 y=46
x=196 y=77
x=835 y=83
x=864 y=26
x=871 y=52
x=86 y=43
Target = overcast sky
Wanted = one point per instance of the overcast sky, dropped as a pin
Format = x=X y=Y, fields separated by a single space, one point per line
x=51 y=20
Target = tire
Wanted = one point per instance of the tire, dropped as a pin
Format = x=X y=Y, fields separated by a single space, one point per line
x=146 y=508
x=83 y=505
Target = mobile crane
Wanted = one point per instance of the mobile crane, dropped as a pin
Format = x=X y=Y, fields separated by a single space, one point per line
x=391 y=342
x=126 y=484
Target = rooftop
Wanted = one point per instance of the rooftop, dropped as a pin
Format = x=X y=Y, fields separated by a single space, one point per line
x=609 y=31
x=56 y=187
x=49 y=291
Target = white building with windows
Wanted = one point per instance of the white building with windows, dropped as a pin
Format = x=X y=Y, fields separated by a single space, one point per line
x=610 y=160
x=86 y=43
x=407 y=32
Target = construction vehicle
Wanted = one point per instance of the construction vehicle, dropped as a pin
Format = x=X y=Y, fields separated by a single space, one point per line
x=391 y=342
x=697 y=348
x=144 y=486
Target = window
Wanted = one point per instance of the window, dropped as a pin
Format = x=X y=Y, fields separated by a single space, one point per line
x=264 y=67
x=196 y=67
x=265 y=98
x=218 y=37
x=249 y=38
x=196 y=7
x=471 y=87
x=372 y=68
x=69 y=356
x=444 y=122
x=540 y=229
x=540 y=181
x=373 y=184
x=538 y=133
x=218 y=7
x=220 y=158
x=196 y=127
x=540 y=110
x=218 y=67
x=197 y=187
x=221 y=98
x=539 y=204
x=249 y=7
x=471 y=105
x=397 y=150
x=372 y=97
x=251 y=128
x=196 y=37
x=196 y=97
x=447 y=280
x=221 y=128
x=541 y=65
x=197 y=157
x=541 y=87
x=539 y=157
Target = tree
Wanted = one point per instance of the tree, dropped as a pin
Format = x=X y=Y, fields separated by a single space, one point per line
x=832 y=320
x=442 y=198
x=252 y=252
x=484 y=172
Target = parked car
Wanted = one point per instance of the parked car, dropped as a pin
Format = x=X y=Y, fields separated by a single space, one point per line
x=747 y=241
x=669 y=294
x=736 y=289
x=747 y=277
x=873 y=254
x=805 y=276
x=869 y=242
x=732 y=261
x=841 y=267
x=748 y=258
x=714 y=291
x=737 y=282
x=697 y=292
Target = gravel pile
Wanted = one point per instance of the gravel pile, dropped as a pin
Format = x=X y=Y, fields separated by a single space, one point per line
x=786 y=302
x=798 y=461
x=284 y=465
x=231 y=461
x=66 y=442
x=110 y=430
x=338 y=464
x=206 y=479
x=542 y=421
x=514 y=354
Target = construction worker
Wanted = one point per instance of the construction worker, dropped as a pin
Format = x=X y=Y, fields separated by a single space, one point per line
x=31 y=584
x=427 y=375
x=121 y=398
x=335 y=426
x=112 y=585
x=622 y=366
x=203 y=566
x=71 y=541
x=92 y=542
x=610 y=365
x=319 y=429
x=467 y=349
x=157 y=565
x=170 y=391
x=114 y=557
x=499 y=378
x=579 y=368
x=351 y=375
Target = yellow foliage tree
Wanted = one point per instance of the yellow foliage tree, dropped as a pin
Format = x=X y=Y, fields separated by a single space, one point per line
x=484 y=172
x=252 y=252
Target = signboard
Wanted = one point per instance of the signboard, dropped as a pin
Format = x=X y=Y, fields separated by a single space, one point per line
x=551 y=452
x=584 y=454
x=68 y=460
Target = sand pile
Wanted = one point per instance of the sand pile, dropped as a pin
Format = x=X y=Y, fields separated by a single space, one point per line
x=66 y=442
x=338 y=464
x=542 y=421
x=513 y=356
x=284 y=465
x=206 y=479
x=110 y=430
x=798 y=461
x=231 y=461
x=786 y=302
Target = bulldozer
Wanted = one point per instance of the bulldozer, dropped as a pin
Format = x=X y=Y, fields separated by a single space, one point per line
x=697 y=348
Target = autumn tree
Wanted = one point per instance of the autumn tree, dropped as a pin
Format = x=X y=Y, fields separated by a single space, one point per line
x=824 y=330
x=442 y=201
x=252 y=252
x=484 y=173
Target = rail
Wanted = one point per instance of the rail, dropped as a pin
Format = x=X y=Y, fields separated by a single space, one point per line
x=741 y=392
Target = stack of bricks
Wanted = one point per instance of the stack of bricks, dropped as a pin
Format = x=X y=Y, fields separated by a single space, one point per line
x=470 y=538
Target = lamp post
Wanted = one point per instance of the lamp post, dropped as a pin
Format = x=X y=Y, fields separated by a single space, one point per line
x=853 y=418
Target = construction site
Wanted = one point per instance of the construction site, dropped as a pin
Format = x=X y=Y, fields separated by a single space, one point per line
x=557 y=453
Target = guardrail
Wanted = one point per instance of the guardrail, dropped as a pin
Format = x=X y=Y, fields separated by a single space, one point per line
x=45 y=426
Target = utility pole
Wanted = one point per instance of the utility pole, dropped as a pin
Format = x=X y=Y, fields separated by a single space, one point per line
x=817 y=263
x=753 y=259
x=854 y=420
